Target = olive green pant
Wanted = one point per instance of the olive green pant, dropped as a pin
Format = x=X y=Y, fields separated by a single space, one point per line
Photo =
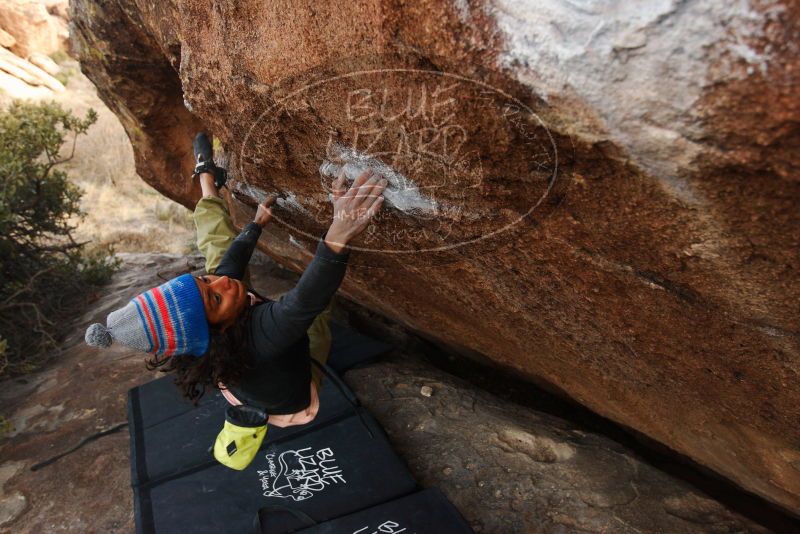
x=215 y=233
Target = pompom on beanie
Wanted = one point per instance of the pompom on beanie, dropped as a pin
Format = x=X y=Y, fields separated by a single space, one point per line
x=167 y=320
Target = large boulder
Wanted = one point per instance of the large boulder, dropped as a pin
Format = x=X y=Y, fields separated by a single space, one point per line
x=36 y=26
x=31 y=30
x=601 y=196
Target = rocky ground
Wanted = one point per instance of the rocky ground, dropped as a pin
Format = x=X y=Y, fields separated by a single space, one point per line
x=510 y=469
x=507 y=467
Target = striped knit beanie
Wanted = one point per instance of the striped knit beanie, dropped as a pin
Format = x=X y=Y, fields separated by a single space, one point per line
x=167 y=320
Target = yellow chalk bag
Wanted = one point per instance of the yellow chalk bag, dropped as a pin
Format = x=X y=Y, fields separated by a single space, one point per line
x=241 y=436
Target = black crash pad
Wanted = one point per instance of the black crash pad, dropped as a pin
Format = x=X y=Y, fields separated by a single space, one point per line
x=182 y=442
x=350 y=349
x=424 y=512
x=328 y=471
x=160 y=400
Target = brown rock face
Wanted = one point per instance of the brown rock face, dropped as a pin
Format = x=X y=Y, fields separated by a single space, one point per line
x=603 y=197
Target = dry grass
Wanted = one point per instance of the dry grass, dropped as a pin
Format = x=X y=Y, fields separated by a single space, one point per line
x=120 y=208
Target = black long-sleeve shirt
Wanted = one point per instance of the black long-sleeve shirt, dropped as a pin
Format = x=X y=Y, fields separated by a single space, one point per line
x=279 y=384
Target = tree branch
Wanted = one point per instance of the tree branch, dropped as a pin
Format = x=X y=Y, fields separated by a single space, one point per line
x=28 y=287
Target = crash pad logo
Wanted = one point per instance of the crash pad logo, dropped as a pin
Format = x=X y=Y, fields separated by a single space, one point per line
x=300 y=474
x=387 y=527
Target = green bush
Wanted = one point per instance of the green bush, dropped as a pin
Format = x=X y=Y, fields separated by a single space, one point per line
x=65 y=74
x=59 y=56
x=47 y=275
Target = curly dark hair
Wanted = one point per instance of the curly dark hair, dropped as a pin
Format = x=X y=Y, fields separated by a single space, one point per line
x=227 y=359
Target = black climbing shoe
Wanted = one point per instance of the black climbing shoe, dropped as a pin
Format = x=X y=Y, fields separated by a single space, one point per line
x=204 y=160
x=203 y=150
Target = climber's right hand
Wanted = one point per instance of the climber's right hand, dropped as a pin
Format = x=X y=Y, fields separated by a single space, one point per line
x=353 y=210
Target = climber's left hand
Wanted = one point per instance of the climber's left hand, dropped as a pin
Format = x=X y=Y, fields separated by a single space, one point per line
x=264 y=212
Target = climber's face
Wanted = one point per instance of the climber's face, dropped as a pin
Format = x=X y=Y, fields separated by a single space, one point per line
x=224 y=299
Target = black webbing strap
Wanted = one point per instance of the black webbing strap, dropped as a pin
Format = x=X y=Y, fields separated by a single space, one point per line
x=220 y=174
x=342 y=389
x=304 y=518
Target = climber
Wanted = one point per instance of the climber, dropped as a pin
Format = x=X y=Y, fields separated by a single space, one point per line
x=213 y=331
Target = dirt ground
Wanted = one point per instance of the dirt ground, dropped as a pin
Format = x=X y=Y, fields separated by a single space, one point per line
x=78 y=394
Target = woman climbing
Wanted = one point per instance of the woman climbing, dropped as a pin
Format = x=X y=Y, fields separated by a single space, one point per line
x=214 y=332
